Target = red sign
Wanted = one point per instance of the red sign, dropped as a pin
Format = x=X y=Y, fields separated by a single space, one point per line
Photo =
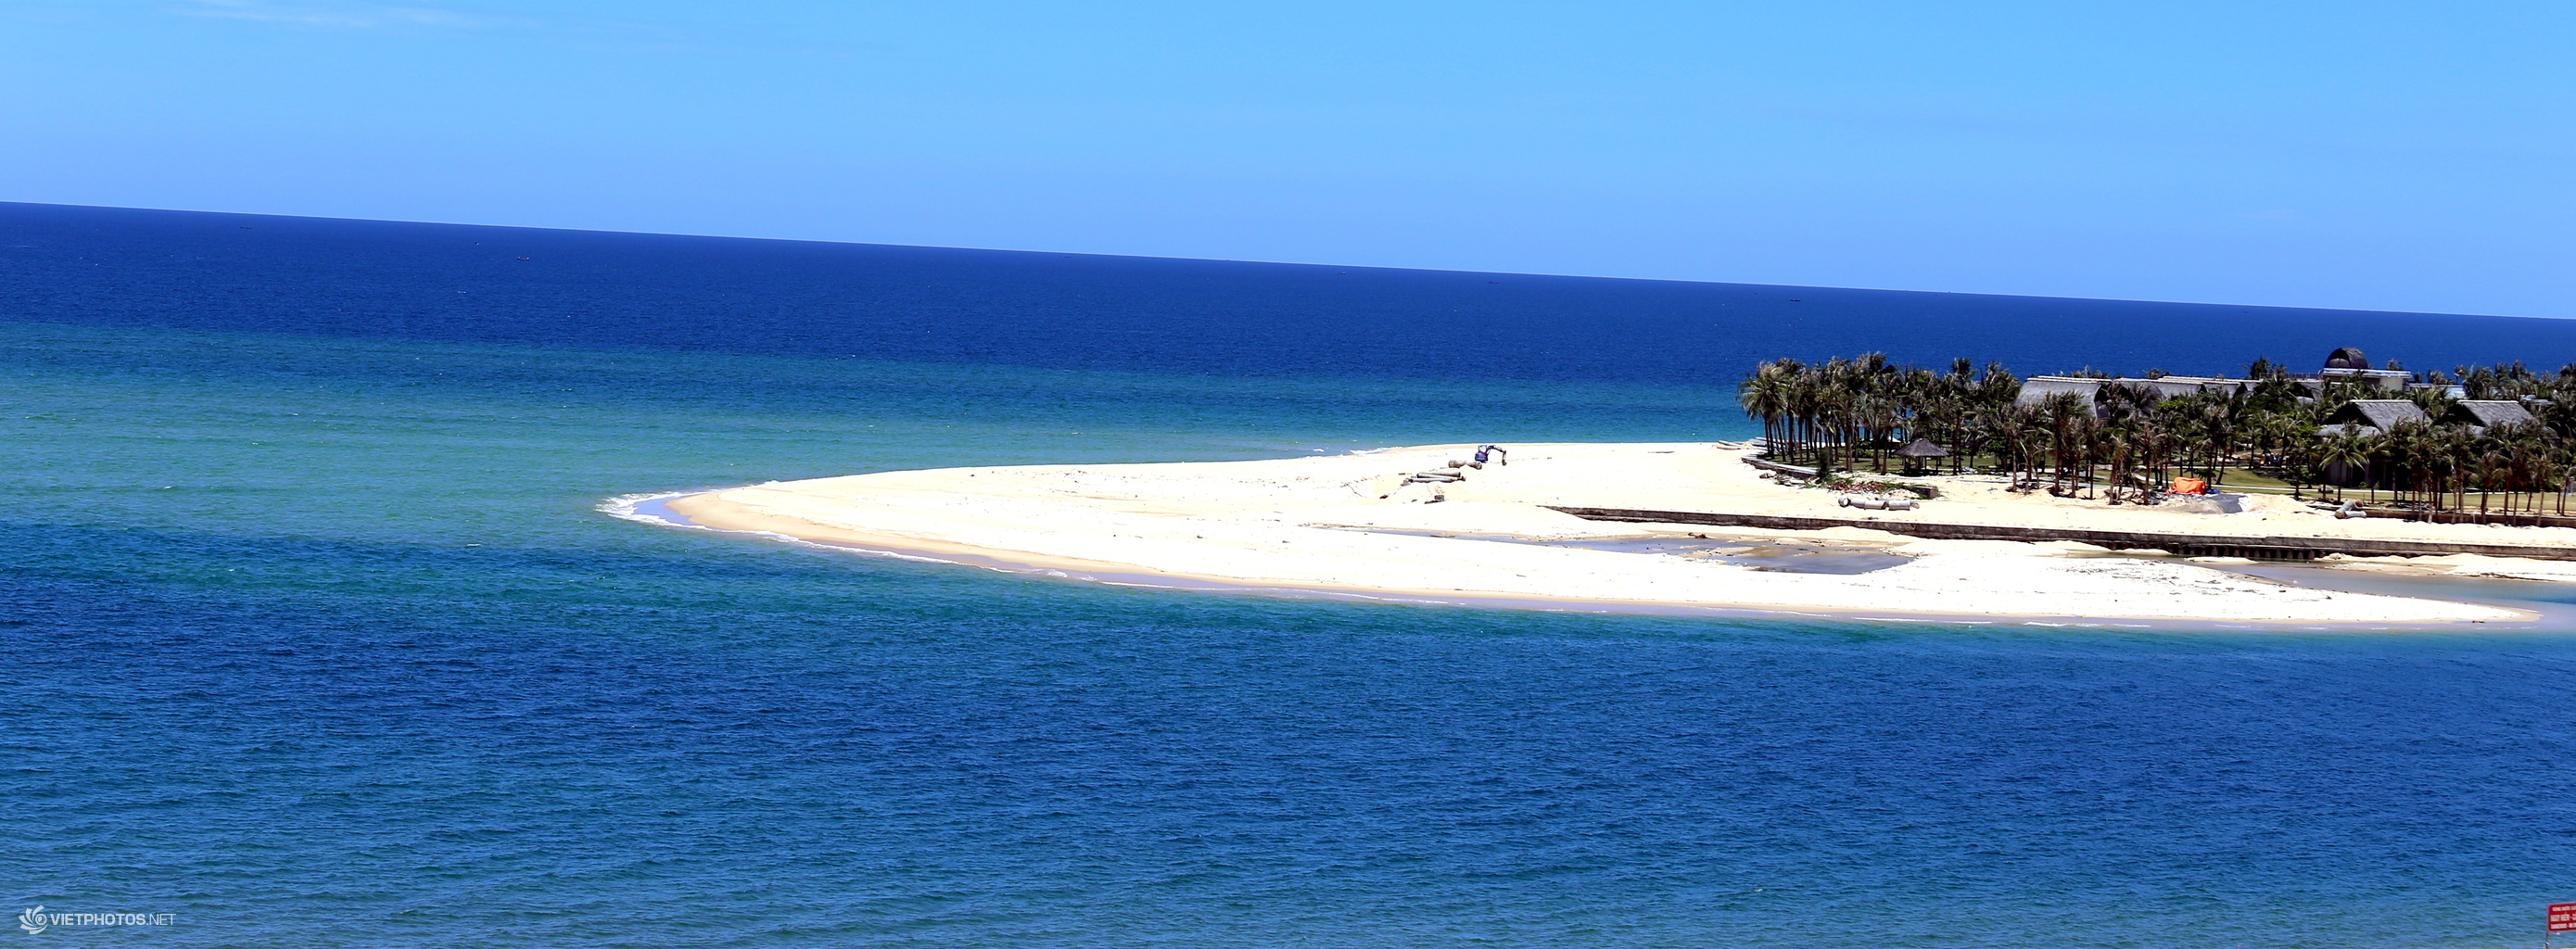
x=2562 y=917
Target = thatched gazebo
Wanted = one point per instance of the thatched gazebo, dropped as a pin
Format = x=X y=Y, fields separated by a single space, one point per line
x=1916 y=451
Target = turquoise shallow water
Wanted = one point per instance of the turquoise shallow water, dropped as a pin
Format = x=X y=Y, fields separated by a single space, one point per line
x=319 y=638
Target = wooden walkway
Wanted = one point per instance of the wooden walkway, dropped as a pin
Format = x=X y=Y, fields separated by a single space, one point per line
x=2188 y=545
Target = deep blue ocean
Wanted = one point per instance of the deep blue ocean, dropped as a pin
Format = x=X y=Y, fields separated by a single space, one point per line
x=320 y=637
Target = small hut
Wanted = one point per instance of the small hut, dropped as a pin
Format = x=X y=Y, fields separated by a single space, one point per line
x=1919 y=451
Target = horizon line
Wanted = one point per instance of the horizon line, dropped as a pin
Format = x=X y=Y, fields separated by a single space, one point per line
x=1286 y=263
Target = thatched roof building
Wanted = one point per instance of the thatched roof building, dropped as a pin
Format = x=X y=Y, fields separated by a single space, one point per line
x=2372 y=416
x=2037 y=389
x=2482 y=414
x=2175 y=387
x=2349 y=364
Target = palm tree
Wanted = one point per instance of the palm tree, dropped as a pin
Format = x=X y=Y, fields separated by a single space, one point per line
x=2011 y=432
x=2520 y=447
x=2554 y=468
x=2366 y=448
x=1803 y=400
x=1761 y=394
x=1882 y=416
x=2062 y=411
x=2409 y=448
x=2450 y=449
x=2303 y=463
x=2225 y=424
x=2493 y=468
x=2344 y=449
x=1833 y=423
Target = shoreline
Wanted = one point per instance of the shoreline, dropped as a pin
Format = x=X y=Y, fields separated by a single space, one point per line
x=1329 y=525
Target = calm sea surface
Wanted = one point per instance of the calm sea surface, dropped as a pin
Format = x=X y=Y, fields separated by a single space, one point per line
x=318 y=637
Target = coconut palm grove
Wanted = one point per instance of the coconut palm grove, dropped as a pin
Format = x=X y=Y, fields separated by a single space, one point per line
x=2494 y=442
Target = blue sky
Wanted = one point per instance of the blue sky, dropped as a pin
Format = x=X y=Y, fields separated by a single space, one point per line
x=2355 y=154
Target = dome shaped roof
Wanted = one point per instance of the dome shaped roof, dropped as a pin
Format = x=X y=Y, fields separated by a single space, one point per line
x=2347 y=358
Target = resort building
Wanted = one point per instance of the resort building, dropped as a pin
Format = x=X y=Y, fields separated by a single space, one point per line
x=2363 y=417
x=2482 y=414
x=2372 y=417
x=2347 y=363
x=2038 y=389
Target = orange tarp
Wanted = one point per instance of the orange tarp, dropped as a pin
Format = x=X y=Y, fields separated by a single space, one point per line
x=2189 y=486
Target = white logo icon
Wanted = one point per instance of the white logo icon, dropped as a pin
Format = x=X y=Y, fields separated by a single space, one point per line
x=33 y=921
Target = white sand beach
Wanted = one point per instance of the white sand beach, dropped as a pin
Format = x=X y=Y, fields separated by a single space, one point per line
x=1349 y=523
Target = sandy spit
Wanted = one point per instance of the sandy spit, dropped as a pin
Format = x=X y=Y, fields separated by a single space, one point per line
x=1349 y=523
